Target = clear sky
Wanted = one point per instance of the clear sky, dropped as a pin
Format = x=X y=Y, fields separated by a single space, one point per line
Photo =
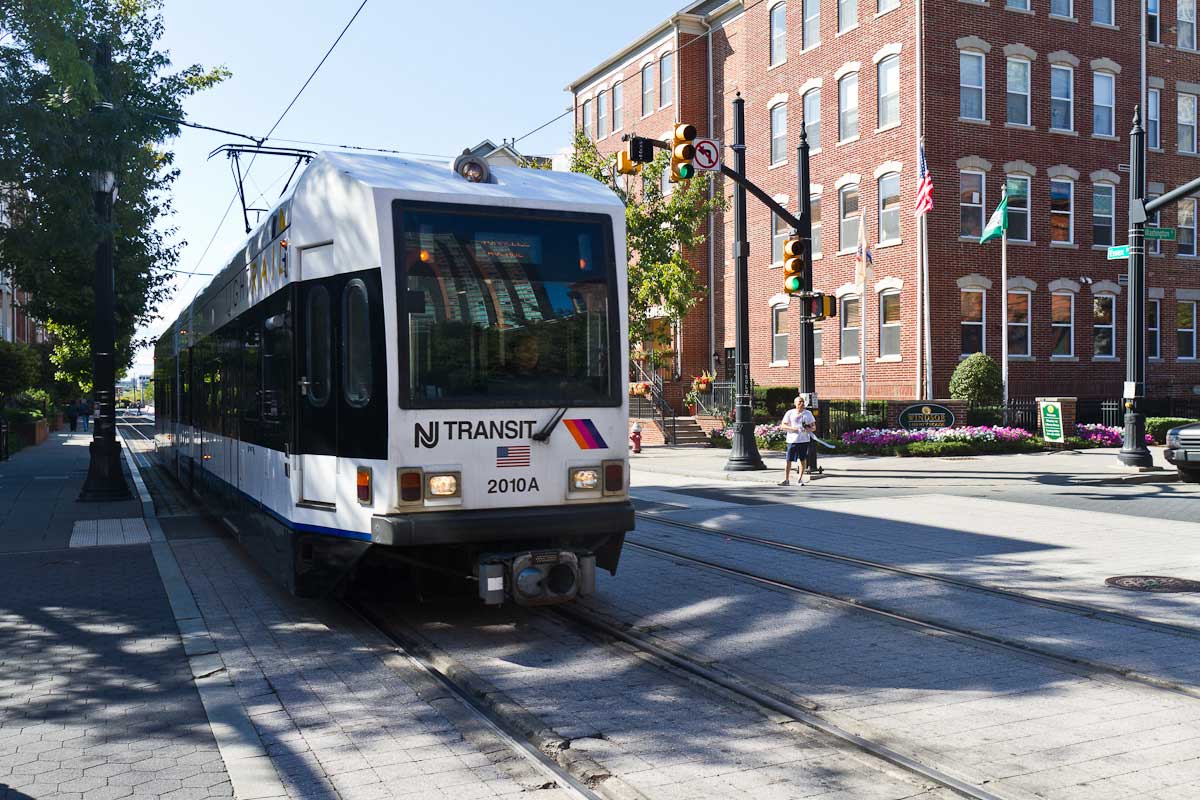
x=425 y=77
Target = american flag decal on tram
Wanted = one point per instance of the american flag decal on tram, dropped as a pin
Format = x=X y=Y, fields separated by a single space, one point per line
x=512 y=456
x=586 y=434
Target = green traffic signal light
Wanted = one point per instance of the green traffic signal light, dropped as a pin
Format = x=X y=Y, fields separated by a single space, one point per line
x=791 y=283
x=686 y=171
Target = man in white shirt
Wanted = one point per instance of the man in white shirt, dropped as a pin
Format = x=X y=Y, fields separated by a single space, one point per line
x=799 y=424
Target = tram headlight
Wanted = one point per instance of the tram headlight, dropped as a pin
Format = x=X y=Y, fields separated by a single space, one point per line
x=584 y=479
x=442 y=485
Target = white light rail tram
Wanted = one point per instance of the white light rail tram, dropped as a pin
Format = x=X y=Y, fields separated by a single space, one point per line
x=415 y=362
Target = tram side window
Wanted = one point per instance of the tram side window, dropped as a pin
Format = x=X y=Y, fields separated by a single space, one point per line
x=356 y=344
x=251 y=380
x=276 y=374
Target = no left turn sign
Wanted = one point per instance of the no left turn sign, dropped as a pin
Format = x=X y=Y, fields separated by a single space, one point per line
x=708 y=154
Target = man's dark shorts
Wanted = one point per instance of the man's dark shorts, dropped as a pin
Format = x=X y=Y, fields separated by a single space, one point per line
x=797 y=451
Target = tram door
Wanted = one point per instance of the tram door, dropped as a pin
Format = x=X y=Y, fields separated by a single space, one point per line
x=317 y=398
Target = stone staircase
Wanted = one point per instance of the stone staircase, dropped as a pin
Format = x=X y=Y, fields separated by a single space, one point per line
x=688 y=431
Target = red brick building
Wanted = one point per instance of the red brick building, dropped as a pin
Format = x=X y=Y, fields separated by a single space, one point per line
x=1035 y=95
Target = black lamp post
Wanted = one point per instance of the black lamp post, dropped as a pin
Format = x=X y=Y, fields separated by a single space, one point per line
x=1134 y=452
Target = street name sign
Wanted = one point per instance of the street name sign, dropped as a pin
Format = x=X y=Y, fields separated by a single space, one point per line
x=1052 y=426
x=1163 y=234
x=708 y=155
x=1118 y=252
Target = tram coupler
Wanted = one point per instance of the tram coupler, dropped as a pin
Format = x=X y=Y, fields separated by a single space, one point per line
x=537 y=578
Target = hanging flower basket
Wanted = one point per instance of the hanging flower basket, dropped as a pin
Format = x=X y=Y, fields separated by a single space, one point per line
x=639 y=389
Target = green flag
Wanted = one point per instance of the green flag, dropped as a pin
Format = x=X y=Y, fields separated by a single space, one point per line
x=999 y=221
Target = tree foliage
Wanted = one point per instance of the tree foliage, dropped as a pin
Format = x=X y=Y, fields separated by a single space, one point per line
x=659 y=231
x=977 y=379
x=20 y=368
x=51 y=139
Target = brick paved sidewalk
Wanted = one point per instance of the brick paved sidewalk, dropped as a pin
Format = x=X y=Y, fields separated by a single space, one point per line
x=96 y=694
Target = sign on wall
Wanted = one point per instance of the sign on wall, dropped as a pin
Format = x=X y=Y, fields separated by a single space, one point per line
x=926 y=417
x=1052 y=425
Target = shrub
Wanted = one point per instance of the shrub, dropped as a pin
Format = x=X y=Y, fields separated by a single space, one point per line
x=934 y=449
x=977 y=379
x=1157 y=427
x=771 y=402
x=20 y=368
x=1104 y=435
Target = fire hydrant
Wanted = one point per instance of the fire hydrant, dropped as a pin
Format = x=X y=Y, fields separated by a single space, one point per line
x=635 y=437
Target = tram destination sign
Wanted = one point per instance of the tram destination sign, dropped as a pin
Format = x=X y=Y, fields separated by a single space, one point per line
x=926 y=417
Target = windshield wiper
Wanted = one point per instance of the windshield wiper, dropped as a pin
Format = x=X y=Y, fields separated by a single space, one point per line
x=548 y=428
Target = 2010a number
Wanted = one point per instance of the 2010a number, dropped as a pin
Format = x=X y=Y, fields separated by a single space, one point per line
x=507 y=485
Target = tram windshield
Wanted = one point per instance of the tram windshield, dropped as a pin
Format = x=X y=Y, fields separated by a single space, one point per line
x=506 y=308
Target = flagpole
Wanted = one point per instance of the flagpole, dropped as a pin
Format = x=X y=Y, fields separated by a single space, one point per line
x=925 y=307
x=862 y=313
x=921 y=226
x=1004 y=317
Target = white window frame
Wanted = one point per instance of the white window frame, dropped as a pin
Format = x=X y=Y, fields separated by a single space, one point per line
x=585 y=119
x=777 y=40
x=666 y=80
x=1009 y=91
x=1069 y=325
x=815 y=123
x=780 y=231
x=982 y=205
x=1154 y=332
x=1027 y=324
x=1112 y=217
x=1189 y=203
x=1153 y=21
x=847 y=92
x=1180 y=332
x=893 y=213
x=1111 y=326
x=843 y=246
x=1070 y=10
x=778 y=133
x=779 y=335
x=618 y=105
x=810 y=24
x=1154 y=119
x=894 y=63
x=888 y=327
x=814 y=204
x=1154 y=247
x=1099 y=77
x=884 y=6
x=981 y=324
x=1017 y=5
x=601 y=114
x=844 y=6
x=1070 y=212
x=1186 y=144
x=1185 y=24
x=843 y=355
x=1069 y=99
x=966 y=87
x=1110 y=6
x=818 y=343
x=648 y=89
x=1009 y=180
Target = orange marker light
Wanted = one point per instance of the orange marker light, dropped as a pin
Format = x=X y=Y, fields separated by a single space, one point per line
x=583 y=263
x=424 y=255
x=363 y=483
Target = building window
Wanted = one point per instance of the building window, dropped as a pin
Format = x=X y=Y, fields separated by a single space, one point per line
x=812 y=118
x=618 y=106
x=602 y=115
x=1103 y=103
x=1103 y=196
x=1104 y=326
x=970 y=85
x=1185 y=22
x=1153 y=136
x=1018 y=324
x=1154 y=247
x=889 y=324
x=970 y=204
x=778 y=134
x=665 y=73
x=889 y=208
x=1187 y=123
x=847 y=15
x=817 y=341
x=886 y=5
x=587 y=118
x=1018 y=207
x=1062 y=323
x=1062 y=211
x=811 y=33
x=848 y=107
x=1060 y=8
x=1018 y=91
x=1019 y=5
x=1153 y=337
x=647 y=89
x=815 y=214
x=778 y=16
x=848 y=214
x=1186 y=215
x=851 y=327
x=780 y=231
x=1062 y=116
x=1152 y=29
x=972 y=302
x=779 y=334
x=889 y=91
x=1102 y=12
x=664 y=181
x=1185 y=328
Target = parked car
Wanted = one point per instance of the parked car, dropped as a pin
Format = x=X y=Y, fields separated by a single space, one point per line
x=1183 y=450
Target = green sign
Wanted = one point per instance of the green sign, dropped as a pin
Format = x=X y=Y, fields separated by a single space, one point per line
x=1118 y=252
x=1052 y=426
x=926 y=417
x=1165 y=234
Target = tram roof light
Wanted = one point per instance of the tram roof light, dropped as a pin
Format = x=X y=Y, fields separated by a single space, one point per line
x=472 y=168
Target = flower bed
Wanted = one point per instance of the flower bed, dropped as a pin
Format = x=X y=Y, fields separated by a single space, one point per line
x=943 y=441
x=1104 y=435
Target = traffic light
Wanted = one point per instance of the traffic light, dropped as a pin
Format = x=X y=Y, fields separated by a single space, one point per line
x=793 y=265
x=819 y=306
x=626 y=165
x=682 y=153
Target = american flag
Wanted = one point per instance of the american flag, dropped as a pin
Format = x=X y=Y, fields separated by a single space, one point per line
x=512 y=456
x=924 y=185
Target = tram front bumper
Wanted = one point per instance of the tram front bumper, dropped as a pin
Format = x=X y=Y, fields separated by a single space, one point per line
x=577 y=520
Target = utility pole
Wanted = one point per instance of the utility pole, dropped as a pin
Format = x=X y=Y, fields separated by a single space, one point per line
x=105 y=480
x=744 y=454
x=1134 y=452
x=808 y=356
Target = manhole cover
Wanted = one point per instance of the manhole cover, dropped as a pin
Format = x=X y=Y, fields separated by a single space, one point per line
x=1153 y=583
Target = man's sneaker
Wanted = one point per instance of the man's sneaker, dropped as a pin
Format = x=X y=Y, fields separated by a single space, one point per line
x=784 y=483
x=801 y=483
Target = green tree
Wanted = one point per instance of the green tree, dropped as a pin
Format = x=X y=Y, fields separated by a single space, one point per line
x=51 y=140
x=20 y=368
x=977 y=379
x=659 y=231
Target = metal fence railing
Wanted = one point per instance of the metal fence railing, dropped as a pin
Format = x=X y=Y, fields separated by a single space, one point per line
x=1021 y=413
x=841 y=416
